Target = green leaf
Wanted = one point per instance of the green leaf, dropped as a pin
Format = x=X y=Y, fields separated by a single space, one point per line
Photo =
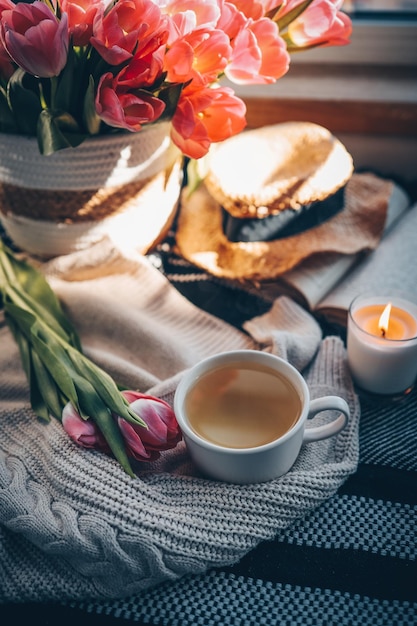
x=50 y=351
x=289 y=17
x=195 y=175
x=90 y=118
x=33 y=288
x=91 y=404
x=54 y=360
x=46 y=387
x=66 y=85
x=7 y=122
x=56 y=369
x=36 y=400
x=53 y=135
x=24 y=99
x=23 y=319
x=105 y=387
x=22 y=343
x=170 y=95
x=25 y=302
x=38 y=404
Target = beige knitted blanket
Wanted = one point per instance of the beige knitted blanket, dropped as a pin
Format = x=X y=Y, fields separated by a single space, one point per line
x=73 y=524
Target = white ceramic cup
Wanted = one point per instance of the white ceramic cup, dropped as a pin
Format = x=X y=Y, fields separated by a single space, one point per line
x=269 y=460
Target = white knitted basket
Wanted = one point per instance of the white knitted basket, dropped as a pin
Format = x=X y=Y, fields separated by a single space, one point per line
x=125 y=186
x=102 y=161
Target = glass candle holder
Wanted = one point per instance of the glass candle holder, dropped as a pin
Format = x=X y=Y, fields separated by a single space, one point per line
x=382 y=353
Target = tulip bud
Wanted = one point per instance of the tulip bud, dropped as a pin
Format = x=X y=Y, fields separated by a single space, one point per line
x=83 y=432
x=162 y=433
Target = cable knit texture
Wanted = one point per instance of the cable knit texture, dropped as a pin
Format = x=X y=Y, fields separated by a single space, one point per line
x=73 y=524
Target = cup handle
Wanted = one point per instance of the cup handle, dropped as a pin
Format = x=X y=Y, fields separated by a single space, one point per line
x=332 y=403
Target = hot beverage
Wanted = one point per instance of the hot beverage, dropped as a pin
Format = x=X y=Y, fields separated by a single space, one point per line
x=242 y=405
x=243 y=415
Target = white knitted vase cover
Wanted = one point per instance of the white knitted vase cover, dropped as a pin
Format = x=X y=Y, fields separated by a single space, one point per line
x=123 y=185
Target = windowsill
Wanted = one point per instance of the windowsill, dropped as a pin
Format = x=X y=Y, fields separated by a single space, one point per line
x=340 y=82
x=373 y=100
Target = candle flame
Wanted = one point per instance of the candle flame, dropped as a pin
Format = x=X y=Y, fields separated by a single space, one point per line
x=384 y=319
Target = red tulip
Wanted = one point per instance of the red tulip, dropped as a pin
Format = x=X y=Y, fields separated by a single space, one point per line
x=129 y=23
x=140 y=73
x=35 y=39
x=81 y=14
x=205 y=115
x=126 y=109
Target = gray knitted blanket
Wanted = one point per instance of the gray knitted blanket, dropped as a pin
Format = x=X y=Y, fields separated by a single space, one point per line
x=73 y=524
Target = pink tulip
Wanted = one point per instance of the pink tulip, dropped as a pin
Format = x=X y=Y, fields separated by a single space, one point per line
x=187 y=16
x=205 y=115
x=231 y=20
x=180 y=25
x=259 y=54
x=146 y=67
x=117 y=33
x=141 y=72
x=142 y=444
x=250 y=8
x=84 y=432
x=6 y=5
x=35 y=39
x=7 y=66
x=202 y=54
x=322 y=24
x=198 y=14
x=285 y=6
x=162 y=433
x=81 y=14
x=125 y=109
x=269 y=5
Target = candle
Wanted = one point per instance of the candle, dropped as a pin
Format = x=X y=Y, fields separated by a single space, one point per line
x=382 y=344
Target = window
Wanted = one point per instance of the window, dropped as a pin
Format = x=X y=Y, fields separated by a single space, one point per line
x=380 y=6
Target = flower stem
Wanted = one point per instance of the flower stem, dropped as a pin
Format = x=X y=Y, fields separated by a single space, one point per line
x=57 y=370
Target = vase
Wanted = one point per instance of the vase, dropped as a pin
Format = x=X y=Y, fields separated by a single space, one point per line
x=124 y=186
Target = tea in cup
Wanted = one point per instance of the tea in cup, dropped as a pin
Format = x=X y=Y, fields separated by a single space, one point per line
x=243 y=415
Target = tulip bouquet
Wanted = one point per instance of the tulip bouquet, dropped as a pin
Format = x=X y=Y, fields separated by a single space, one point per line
x=70 y=69
x=65 y=384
